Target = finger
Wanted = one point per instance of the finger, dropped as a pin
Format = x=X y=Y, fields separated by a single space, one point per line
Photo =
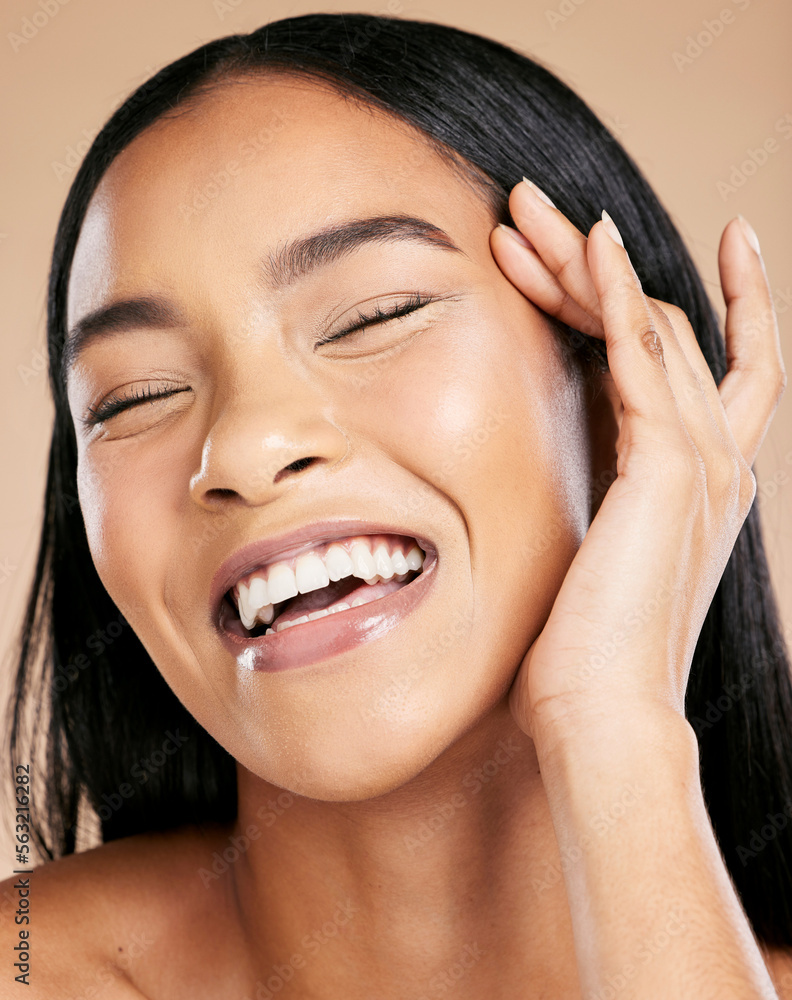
x=701 y=386
x=561 y=247
x=756 y=376
x=526 y=270
x=710 y=435
x=636 y=349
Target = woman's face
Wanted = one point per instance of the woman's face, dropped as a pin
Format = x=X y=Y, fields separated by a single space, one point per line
x=455 y=424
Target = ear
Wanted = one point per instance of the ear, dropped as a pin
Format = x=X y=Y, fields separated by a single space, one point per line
x=605 y=413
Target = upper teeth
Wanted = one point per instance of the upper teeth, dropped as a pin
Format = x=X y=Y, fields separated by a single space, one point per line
x=366 y=557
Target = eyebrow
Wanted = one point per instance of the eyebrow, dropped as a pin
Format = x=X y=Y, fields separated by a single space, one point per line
x=296 y=259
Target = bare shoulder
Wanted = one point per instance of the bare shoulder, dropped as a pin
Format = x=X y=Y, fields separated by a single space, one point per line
x=779 y=965
x=96 y=923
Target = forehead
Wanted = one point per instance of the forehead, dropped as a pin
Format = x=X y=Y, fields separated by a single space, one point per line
x=252 y=164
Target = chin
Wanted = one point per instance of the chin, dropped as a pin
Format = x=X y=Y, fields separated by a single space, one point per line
x=349 y=760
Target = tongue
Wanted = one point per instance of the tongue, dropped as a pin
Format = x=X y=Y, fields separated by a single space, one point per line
x=342 y=590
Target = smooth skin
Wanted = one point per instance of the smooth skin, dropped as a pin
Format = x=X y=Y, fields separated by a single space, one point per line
x=460 y=803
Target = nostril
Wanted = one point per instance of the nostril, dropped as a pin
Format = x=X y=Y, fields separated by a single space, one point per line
x=296 y=466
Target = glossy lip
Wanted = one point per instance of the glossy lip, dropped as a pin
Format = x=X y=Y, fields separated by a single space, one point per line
x=292 y=544
x=317 y=640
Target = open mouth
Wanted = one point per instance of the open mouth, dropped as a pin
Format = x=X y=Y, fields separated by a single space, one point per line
x=355 y=571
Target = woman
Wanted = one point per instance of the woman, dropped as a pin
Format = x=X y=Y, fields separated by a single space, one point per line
x=299 y=365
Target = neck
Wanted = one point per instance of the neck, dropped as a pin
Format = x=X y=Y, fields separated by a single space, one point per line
x=454 y=878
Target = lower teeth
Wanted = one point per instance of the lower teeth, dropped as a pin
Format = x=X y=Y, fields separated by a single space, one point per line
x=316 y=614
x=343 y=606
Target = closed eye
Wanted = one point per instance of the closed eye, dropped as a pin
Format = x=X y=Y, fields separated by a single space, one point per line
x=117 y=403
x=416 y=301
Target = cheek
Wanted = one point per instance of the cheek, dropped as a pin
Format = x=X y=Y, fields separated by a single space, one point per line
x=133 y=508
x=482 y=413
x=131 y=511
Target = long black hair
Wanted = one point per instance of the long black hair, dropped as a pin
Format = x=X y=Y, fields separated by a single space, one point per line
x=91 y=710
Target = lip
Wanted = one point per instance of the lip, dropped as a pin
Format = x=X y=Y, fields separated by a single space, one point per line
x=317 y=640
x=292 y=544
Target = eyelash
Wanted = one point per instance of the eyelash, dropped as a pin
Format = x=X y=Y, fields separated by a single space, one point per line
x=113 y=405
x=415 y=301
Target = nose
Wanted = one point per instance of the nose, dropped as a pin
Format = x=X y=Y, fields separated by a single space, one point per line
x=264 y=434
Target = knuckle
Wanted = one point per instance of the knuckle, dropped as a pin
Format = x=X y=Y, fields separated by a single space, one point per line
x=566 y=268
x=671 y=316
x=627 y=284
x=746 y=486
x=694 y=389
x=620 y=287
x=564 y=299
x=675 y=314
x=650 y=339
x=747 y=495
x=731 y=481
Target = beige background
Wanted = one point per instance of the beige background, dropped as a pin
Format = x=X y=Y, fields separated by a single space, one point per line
x=689 y=121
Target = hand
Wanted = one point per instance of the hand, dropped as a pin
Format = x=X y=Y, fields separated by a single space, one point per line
x=623 y=628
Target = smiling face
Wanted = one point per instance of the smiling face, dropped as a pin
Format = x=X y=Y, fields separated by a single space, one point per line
x=456 y=423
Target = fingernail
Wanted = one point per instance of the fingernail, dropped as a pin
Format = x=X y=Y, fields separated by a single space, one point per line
x=517 y=236
x=539 y=192
x=610 y=228
x=750 y=234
